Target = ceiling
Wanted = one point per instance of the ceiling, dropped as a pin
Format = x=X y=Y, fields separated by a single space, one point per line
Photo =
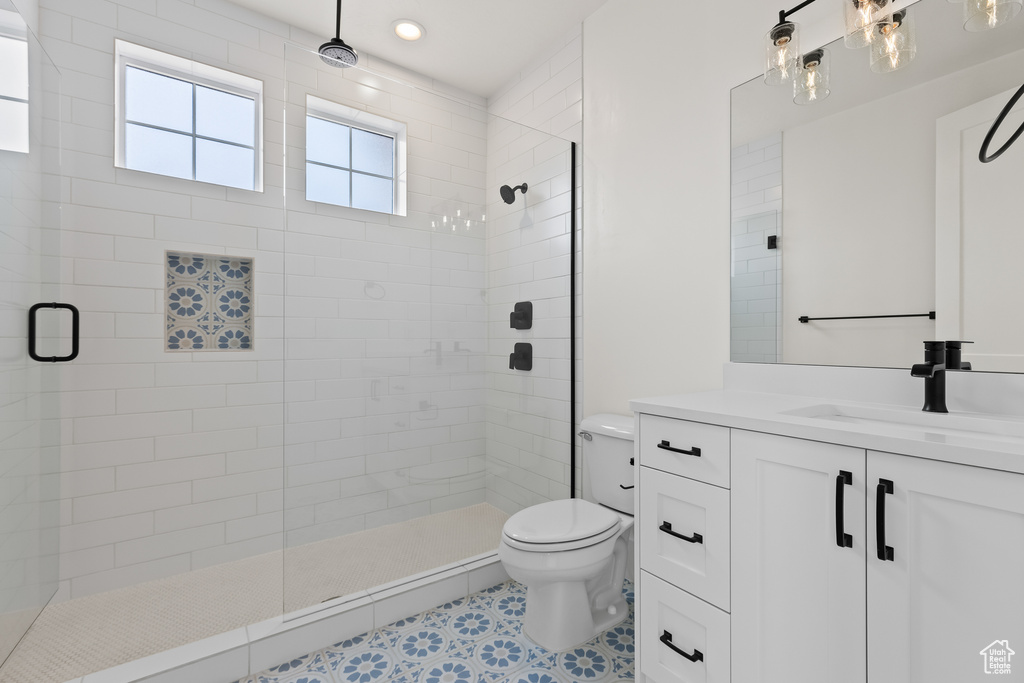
x=476 y=45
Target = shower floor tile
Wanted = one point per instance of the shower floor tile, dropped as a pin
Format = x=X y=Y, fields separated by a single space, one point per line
x=475 y=640
x=77 y=637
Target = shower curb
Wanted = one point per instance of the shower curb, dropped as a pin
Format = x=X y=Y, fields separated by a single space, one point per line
x=236 y=654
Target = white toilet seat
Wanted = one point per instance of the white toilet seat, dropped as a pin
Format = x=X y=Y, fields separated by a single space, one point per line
x=560 y=525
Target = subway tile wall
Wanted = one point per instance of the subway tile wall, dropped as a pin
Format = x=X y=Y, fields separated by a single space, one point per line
x=338 y=419
x=29 y=427
x=528 y=428
x=756 y=284
x=384 y=321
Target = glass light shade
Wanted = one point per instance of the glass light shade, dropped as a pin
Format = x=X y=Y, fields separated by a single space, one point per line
x=982 y=15
x=812 y=78
x=861 y=18
x=782 y=52
x=894 y=44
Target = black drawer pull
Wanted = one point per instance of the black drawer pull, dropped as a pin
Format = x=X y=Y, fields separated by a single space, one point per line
x=665 y=445
x=626 y=488
x=885 y=552
x=666 y=638
x=667 y=528
x=843 y=479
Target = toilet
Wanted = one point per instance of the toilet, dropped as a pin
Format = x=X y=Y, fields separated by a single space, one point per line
x=572 y=555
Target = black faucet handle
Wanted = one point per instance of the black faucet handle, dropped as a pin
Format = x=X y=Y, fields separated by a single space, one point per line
x=953 y=355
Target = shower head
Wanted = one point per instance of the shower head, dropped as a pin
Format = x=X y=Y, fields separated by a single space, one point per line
x=336 y=52
x=508 y=194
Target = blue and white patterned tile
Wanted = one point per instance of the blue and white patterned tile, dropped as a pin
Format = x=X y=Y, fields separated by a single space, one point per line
x=363 y=659
x=452 y=669
x=232 y=338
x=183 y=266
x=500 y=655
x=464 y=641
x=233 y=269
x=209 y=302
x=422 y=644
x=309 y=677
x=586 y=663
x=509 y=606
x=470 y=626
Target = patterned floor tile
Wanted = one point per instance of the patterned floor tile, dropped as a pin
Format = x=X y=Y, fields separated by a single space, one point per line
x=478 y=639
x=364 y=659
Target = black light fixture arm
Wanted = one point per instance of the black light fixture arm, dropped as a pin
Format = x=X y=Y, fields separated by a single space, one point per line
x=784 y=14
x=983 y=154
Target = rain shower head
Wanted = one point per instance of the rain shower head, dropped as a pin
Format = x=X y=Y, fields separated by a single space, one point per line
x=336 y=52
x=508 y=194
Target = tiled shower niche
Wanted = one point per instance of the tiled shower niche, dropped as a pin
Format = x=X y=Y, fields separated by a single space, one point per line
x=208 y=302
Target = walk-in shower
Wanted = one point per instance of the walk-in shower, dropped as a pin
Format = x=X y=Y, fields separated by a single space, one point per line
x=366 y=428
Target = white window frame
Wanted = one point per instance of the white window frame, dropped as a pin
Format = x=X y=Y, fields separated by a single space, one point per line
x=12 y=27
x=363 y=120
x=129 y=54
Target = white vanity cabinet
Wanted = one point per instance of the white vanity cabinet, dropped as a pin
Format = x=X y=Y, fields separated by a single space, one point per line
x=955 y=584
x=817 y=597
x=682 y=537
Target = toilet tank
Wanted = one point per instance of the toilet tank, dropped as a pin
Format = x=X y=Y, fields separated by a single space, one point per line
x=606 y=460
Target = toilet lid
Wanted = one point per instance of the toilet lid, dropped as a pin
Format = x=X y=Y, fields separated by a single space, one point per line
x=560 y=521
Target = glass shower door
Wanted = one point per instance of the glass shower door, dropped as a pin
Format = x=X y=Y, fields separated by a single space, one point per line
x=29 y=274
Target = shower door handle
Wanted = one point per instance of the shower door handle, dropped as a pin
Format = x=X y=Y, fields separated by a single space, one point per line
x=32 y=334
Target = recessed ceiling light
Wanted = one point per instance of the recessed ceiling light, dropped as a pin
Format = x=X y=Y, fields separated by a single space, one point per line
x=407 y=29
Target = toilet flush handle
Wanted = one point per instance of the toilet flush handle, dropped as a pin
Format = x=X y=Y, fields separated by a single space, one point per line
x=587 y=436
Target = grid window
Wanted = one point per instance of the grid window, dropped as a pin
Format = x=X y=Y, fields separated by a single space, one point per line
x=354 y=159
x=188 y=125
x=14 y=95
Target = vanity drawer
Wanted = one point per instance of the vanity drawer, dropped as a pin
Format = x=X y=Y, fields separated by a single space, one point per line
x=671 y=505
x=689 y=624
x=691 y=449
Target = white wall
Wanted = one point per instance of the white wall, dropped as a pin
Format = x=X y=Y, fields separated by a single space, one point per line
x=656 y=167
x=528 y=429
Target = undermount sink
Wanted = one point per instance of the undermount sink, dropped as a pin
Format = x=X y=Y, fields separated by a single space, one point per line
x=973 y=426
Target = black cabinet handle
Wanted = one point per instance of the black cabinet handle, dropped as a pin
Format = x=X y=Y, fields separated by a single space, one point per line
x=32 y=334
x=666 y=638
x=885 y=552
x=626 y=488
x=843 y=479
x=667 y=528
x=665 y=445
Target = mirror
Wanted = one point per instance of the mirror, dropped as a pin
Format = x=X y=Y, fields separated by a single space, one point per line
x=847 y=187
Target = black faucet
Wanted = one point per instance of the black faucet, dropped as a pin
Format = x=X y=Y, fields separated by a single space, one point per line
x=934 y=372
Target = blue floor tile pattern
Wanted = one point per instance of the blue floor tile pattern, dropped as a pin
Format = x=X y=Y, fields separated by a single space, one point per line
x=473 y=640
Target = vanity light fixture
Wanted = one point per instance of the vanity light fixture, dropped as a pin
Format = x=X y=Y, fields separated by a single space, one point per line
x=982 y=15
x=861 y=18
x=782 y=50
x=811 y=82
x=408 y=30
x=895 y=43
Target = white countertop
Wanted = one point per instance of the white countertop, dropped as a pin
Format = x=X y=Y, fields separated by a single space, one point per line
x=930 y=435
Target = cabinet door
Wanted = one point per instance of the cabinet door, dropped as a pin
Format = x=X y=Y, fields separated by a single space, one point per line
x=955 y=583
x=797 y=596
